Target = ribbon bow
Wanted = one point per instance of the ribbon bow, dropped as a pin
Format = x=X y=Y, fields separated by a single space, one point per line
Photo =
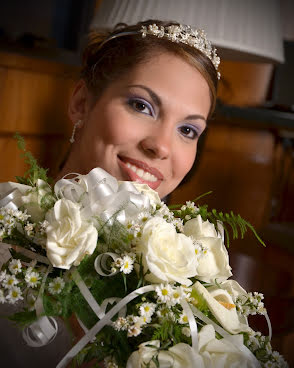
x=100 y=194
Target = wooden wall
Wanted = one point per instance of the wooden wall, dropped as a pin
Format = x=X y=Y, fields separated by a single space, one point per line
x=33 y=102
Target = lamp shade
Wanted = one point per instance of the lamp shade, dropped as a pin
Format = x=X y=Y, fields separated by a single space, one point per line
x=245 y=30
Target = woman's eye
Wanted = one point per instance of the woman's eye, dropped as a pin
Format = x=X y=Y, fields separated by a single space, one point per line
x=141 y=106
x=188 y=131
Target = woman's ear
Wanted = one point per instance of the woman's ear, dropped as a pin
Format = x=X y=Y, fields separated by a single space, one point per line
x=79 y=103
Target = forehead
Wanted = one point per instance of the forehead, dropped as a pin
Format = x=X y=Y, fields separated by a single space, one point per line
x=173 y=79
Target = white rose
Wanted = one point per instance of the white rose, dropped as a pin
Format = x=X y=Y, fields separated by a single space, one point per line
x=214 y=261
x=169 y=256
x=147 y=191
x=222 y=306
x=178 y=356
x=34 y=199
x=229 y=352
x=199 y=228
x=69 y=237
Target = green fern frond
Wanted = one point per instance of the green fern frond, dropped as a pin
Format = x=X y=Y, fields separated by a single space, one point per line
x=34 y=172
x=235 y=223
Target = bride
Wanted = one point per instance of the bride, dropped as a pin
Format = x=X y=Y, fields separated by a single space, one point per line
x=142 y=103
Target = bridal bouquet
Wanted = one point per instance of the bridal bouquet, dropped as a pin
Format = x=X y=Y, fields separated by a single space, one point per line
x=148 y=284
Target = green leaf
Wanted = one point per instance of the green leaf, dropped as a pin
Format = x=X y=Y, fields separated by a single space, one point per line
x=24 y=318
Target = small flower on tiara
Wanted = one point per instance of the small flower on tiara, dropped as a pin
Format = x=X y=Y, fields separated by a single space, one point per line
x=185 y=34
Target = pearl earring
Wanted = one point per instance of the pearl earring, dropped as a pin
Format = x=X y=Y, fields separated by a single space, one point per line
x=78 y=124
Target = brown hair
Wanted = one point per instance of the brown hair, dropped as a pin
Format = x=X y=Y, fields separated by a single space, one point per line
x=104 y=62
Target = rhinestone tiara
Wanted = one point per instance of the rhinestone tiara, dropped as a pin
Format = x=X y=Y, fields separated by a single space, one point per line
x=185 y=34
x=177 y=33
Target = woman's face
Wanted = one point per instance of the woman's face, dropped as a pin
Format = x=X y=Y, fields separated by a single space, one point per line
x=145 y=126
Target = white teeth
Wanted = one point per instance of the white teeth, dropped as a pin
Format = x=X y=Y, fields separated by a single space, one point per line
x=141 y=173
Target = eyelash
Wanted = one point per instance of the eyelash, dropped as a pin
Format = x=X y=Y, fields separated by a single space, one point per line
x=135 y=100
x=192 y=134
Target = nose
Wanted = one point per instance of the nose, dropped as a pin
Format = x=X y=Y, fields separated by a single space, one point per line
x=157 y=146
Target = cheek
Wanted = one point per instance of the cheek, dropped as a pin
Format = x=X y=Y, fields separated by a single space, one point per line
x=183 y=163
x=116 y=127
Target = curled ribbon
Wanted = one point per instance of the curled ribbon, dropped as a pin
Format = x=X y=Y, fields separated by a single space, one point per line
x=101 y=195
x=40 y=332
x=100 y=263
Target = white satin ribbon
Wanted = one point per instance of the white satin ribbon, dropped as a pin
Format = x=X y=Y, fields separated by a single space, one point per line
x=192 y=323
x=269 y=325
x=40 y=332
x=26 y=252
x=86 y=293
x=103 y=322
x=121 y=313
x=39 y=302
x=101 y=195
x=11 y=193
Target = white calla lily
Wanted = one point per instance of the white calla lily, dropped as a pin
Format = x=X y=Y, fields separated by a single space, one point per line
x=223 y=308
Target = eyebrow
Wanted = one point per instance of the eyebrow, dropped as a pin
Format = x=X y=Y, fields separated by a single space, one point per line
x=156 y=99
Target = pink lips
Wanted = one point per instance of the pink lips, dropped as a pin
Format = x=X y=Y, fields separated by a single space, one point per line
x=134 y=177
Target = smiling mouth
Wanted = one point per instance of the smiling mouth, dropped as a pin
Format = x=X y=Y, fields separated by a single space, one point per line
x=140 y=172
x=145 y=175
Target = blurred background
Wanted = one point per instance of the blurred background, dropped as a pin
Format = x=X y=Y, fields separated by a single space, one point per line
x=246 y=156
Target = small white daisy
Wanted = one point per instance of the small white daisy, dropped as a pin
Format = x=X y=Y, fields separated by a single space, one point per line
x=9 y=281
x=56 y=286
x=177 y=295
x=128 y=265
x=186 y=331
x=2 y=296
x=191 y=206
x=43 y=226
x=15 y=266
x=2 y=275
x=22 y=216
x=147 y=309
x=29 y=229
x=178 y=223
x=118 y=263
x=134 y=330
x=32 y=278
x=130 y=319
x=134 y=228
x=143 y=320
x=143 y=217
x=31 y=300
x=121 y=324
x=14 y=295
x=166 y=313
x=183 y=319
x=270 y=364
x=163 y=312
x=163 y=292
x=109 y=362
